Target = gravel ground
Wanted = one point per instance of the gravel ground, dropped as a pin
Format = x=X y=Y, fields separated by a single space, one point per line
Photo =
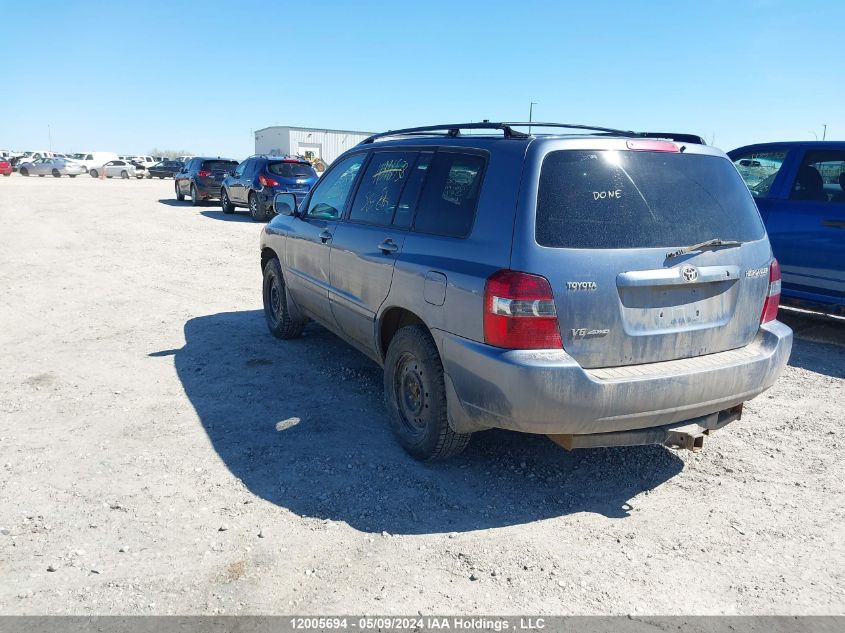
x=161 y=453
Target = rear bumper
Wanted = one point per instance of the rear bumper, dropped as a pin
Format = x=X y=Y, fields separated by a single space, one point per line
x=209 y=190
x=548 y=392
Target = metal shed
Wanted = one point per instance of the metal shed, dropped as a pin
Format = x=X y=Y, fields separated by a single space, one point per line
x=313 y=143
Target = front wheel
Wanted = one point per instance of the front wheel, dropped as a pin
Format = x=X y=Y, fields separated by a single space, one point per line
x=227 y=205
x=256 y=208
x=93 y=173
x=274 y=292
x=415 y=396
x=57 y=173
x=71 y=175
x=179 y=195
x=124 y=174
x=24 y=172
x=195 y=198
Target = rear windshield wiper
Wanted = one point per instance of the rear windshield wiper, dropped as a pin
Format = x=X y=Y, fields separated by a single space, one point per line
x=714 y=243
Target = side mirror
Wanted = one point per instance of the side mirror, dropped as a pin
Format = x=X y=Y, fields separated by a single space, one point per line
x=284 y=204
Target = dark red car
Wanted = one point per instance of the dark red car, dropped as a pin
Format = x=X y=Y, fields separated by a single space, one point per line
x=5 y=167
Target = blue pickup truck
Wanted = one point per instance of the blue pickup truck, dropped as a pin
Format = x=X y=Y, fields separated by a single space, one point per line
x=799 y=188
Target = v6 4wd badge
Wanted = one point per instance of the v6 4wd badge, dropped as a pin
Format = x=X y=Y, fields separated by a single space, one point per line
x=581 y=285
x=583 y=332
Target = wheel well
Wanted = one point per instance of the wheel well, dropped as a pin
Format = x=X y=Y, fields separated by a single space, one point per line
x=266 y=255
x=391 y=322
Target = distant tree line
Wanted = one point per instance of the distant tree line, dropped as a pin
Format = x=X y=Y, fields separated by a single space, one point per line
x=170 y=153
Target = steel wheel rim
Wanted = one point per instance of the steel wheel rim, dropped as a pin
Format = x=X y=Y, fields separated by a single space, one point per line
x=274 y=293
x=411 y=395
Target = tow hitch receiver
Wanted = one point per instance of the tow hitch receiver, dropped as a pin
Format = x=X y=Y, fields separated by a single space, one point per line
x=687 y=435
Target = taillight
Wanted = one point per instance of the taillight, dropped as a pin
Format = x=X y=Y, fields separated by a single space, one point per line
x=267 y=182
x=519 y=312
x=204 y=173
x=770 y=307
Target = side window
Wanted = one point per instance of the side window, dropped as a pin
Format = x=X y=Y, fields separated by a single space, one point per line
x=821 y=177
x=759 y=169
x=330 y=196
x=89 y=157
x=381 y=187
x=407 y=203
x=450 y=195
x=239 y=171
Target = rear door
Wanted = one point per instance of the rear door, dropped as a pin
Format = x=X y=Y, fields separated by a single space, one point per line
x=236 y=185
x=806 y=226
x=365 y=247
x=605 y=221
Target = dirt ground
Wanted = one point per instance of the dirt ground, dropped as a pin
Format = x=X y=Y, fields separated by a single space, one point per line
x=161 y=453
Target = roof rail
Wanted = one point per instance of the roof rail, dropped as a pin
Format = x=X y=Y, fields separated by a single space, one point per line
x=454 y=129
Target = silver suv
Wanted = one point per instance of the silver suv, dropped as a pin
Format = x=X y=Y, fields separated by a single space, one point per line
x=605 y=287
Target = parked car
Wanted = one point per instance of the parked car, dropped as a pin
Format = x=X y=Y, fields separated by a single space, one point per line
x=114 y=169
x=184 y=159
x=165 y=169
x=606 y=289
x=202 y=178
x=146 y=161
x=141 y=170
x=5 y=167
x=799 y=188
x=93 y=160
x=56 y=167
x=255 y=182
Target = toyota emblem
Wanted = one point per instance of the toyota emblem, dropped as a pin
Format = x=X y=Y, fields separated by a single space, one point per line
x=689 y=273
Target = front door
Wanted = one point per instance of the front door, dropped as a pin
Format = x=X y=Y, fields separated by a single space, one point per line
x=306 y=257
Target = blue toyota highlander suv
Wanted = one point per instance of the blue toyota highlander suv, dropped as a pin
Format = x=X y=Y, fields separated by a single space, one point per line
x=799 y=188
x=256 y=180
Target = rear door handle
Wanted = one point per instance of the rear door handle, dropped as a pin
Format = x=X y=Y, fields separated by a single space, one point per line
x=836 y=224
x=388 y=246
x=325 y=236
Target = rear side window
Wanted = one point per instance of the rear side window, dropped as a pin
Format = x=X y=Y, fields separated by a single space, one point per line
x=381 y=187
x=219 y=165
x=291 y=169
x=450 y=194
x=821 y=177
x=628 y=199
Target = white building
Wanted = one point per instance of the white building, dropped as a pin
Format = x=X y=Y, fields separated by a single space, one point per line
x=312 y=143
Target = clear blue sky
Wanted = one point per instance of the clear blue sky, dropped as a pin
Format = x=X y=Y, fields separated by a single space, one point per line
x=127 y=76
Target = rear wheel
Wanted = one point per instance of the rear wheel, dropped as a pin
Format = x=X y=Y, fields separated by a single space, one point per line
x=24 y=171
x=227 y=205
x=195 y=198
x=57 y=173
x=72 y=175
x=124 y=174
x=415 y=396
x=179 y=195
x=256 y=209
x=276 y=313
x=93 y=173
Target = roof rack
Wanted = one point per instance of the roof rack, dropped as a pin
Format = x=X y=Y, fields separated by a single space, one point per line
x=454 y=129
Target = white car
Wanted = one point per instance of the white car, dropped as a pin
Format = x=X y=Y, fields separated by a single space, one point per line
x=146 y=161
x=57 y=167
x=114 y=169
x=91 y=160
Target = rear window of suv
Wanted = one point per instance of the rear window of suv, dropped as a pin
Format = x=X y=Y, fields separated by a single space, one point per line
x=629 y=199
x=219 y=165
x=291 y=169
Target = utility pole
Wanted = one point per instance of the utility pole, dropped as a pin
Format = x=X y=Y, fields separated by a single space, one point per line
x=824 y=134
x=531 y=114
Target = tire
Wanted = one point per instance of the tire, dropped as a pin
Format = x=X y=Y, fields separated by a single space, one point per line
x=7 y=175
x=40 y=175
x=71 y=176
x=93 y=173
x=276 y=313
x=124 y=174
x=256 y=209
x=415 y=396
x=24 y=172
x=227 y=205
x=195 y=198
x=160 y=177
x=57 y=173
x=179 y=195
